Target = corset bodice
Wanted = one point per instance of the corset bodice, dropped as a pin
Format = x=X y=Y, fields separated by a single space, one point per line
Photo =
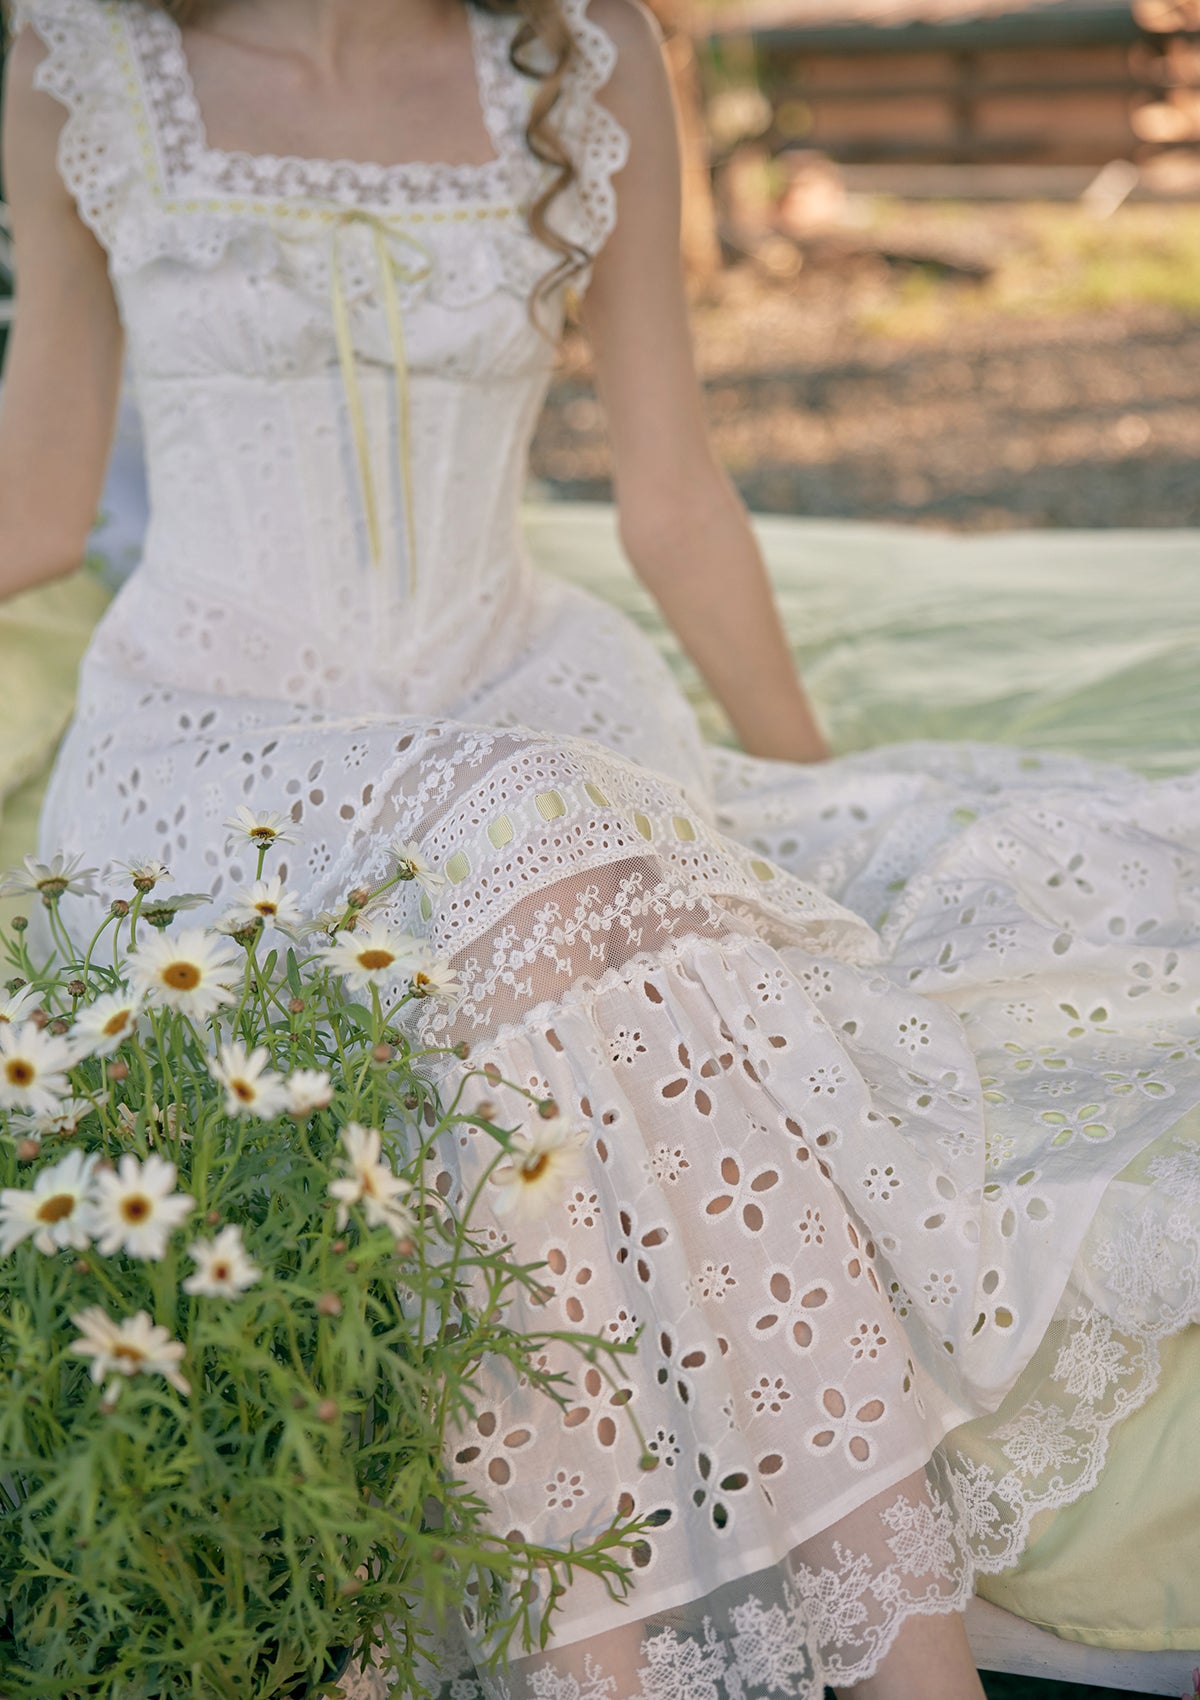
x=336 y=365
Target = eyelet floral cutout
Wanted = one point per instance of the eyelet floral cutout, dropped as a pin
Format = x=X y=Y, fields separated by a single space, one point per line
x=883 y=1063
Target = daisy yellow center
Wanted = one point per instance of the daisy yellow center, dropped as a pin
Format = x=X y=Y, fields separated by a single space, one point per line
x=116 y=1024
x=264 y=834
x=242 y=1091
x=127 y=1354
x=136 y=1208
x=6 y=1020
x=375 y=957
x=533 y=1168
x=420 y=978
x=56 y=1208
x=18 y=1072
x=265 y=908
x=181 y=976
x=221 y=1272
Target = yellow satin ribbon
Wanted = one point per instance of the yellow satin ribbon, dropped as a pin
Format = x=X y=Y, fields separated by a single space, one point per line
x=392 y=272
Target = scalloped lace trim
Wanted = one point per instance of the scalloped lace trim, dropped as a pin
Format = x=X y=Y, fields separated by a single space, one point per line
x=189 y=159
x=134 y=154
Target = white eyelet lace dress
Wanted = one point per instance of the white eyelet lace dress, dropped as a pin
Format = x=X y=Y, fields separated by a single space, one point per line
x=886 y=1062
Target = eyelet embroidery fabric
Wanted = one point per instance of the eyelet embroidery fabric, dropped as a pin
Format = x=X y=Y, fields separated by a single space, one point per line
x=886 y=1064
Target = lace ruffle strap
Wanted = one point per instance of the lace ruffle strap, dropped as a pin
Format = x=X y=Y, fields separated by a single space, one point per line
x=596 y=142
x=97 y=150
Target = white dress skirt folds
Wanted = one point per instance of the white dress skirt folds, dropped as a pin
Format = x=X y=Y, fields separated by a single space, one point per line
x=885 y=1062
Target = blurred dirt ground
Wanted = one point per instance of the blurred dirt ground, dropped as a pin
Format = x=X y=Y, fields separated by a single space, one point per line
x=966 y=367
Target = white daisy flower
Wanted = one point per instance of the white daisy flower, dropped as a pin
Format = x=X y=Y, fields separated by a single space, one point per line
x=261 y=828
x=308 y=1089
x=160 y=912
x=61 y=1122
x=145 y=875
x=374 y=954
x=369 y=1181
x=413 y=864
x=434 y=978
x=33 y=1068
x=137 y=1208
x=268 y=902
x=222 y=1268
x=56 y=1210
x=135 y=1346
x=252 y=1088
x=541 y=1161
x=103 y=1025
x=193 y=973
x=13 y=1008
x=50 y=880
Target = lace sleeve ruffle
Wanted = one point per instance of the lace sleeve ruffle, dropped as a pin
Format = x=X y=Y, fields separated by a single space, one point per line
x=597 y=144
x=97 y=154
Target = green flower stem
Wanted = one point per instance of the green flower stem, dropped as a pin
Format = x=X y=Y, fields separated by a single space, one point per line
x=134 y=911
x=94 y=941
x=61 y=936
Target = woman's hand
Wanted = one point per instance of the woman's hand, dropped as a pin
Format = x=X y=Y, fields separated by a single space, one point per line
x=63 y=371
x=682 y=524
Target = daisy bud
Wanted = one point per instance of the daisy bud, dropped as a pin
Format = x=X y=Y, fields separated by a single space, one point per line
x=118 y=1070
x=327 y=1411
x=81 y=1266
x=159 y=915
x=359 y=897
x=298 y=1401
x=486 y=1110
x=119 y=907
x=547 y=1109
x=27 y=1150
x=329 y=1305
x=647 y=1461
x=296 y=1006
x=411 y=1101
x=382 y=1053
x=19 y=924
x=76 y=988
x=338 y=1246
x=16 y=984
x=462 y=1050
x=59 y=1026
x=39 y=1017
x=351 y=1266
x=349 y=1587
x=213 y=1218
x=405 y=1248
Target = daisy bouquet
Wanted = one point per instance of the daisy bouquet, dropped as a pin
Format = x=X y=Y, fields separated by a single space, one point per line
x=240 y=1317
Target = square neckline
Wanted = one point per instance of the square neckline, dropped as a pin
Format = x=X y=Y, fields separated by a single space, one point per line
x=187 y=153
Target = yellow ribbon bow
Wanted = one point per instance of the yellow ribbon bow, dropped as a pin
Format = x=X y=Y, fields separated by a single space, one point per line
x=392 y=272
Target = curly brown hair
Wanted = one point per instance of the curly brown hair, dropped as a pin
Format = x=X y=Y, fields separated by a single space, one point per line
x=542 y=24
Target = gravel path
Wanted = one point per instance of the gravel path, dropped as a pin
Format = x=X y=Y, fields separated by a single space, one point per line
x=985 y=421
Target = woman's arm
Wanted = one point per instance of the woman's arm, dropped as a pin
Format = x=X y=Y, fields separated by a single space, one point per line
x=63 y=371
x=682 y=524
